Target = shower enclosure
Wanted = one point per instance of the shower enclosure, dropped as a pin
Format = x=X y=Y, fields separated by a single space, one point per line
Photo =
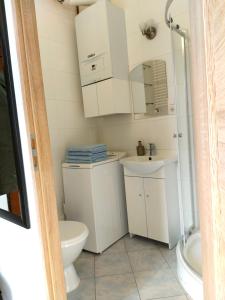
x=189 y=247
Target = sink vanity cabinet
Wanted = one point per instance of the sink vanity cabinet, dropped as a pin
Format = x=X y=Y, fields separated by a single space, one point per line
x=152 y=204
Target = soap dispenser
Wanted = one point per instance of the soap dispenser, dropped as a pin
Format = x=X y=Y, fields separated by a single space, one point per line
x=140 y=149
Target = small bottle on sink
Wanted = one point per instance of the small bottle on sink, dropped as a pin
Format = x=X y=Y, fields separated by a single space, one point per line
x=140 y=149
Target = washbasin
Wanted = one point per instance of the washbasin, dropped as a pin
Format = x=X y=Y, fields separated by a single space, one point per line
x=145 y=164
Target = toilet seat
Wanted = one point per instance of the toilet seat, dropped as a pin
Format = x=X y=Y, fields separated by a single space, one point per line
x=72 y=232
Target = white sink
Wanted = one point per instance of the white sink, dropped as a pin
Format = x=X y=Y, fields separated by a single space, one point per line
x=145 y=164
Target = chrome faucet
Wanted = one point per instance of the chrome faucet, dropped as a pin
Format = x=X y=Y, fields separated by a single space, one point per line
x=152 y=149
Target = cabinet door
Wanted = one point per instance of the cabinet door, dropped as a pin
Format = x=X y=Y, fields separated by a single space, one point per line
x=105 y=97
x=156 y=209
x=136 y=205
x=92 y=31
x=90 y=100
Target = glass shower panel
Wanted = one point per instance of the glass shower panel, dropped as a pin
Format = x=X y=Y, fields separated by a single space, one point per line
x=184 y=132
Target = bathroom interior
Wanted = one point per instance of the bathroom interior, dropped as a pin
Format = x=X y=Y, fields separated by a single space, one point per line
x=118 y=91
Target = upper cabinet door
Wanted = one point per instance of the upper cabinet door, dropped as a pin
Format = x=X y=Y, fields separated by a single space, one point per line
x=92 y=32
x=156 y=209
x=105 y=97
x=90 y=100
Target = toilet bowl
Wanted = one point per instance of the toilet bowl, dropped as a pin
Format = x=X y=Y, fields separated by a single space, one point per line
x=73 y=238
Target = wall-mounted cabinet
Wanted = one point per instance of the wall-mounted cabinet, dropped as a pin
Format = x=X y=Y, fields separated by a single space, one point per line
x=103 y=59
x=106 y=97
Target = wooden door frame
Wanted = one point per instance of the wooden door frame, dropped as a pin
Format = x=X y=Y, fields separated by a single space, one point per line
x=208 y=125
x=36 y=120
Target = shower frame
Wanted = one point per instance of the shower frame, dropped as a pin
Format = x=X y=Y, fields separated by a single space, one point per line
x=208 y=90
x=175 y=29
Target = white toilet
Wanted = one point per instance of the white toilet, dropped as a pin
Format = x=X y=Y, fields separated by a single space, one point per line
x=73 y=238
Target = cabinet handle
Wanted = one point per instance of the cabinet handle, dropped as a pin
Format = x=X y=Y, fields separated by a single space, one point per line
x=91 y=55
x=147 y=196
x=140 y=195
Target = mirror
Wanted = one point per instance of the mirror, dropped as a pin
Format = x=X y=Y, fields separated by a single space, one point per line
x=149 y=88
x=13 y=195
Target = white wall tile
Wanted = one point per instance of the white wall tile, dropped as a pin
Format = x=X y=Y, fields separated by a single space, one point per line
x=153 y=10
x=58 y=56
x=179 y=7
x=64 y=103
x=61 y=85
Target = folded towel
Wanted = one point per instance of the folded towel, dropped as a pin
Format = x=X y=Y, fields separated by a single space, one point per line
x=88 y=148
x=86 y=154
x=87 y=157
x=85 y=160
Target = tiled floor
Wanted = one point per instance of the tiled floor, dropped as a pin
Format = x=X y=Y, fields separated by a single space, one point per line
x=131 y=269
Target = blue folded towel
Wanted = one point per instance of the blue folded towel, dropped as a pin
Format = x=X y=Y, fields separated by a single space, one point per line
x=93 y=156
x=89 y=154
x=88 y=148
x=86 y=153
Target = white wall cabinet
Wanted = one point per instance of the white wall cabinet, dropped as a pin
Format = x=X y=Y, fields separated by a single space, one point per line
x=152 y=205
x=106 y=97
x=103 y=59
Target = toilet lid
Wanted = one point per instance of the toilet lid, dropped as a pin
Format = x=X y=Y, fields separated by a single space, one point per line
x=71 y=231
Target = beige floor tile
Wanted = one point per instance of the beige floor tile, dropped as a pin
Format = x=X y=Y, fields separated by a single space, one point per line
x=147 y=260
x=112 y=264
x=157 y=284
x=139 y=243
x=85 y=267
x=119 y=287
x=170 y=256
x=87 y=254
x=118 y=247
x=85 y=291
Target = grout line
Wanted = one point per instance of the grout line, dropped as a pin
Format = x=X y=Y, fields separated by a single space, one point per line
x=134 y=276
x=170 y=297
x=103 y=276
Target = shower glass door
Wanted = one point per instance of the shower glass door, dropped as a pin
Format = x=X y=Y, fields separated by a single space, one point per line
x=188 y=209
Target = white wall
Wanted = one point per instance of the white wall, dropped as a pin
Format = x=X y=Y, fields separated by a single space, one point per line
x=62 y=84
x=22 y=274
x=123 y=132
